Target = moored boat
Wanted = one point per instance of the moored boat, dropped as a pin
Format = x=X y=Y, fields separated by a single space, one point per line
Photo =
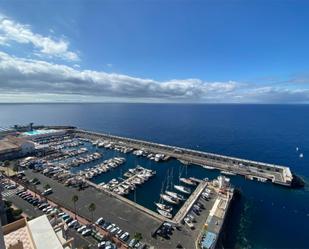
x=183 y=189
x=169 y=199
x=164 y=207
x=187 y=181
x=175 y=195
x=164 y=213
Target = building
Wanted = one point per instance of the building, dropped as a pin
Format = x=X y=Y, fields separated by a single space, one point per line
x=12 y=147
x=36 y=234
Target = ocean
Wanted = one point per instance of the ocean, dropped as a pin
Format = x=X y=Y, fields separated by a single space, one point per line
x=266 y=216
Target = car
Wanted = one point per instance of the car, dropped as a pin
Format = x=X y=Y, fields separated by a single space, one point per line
x=72 y=223
x=137 y=245
x=114 y=230
x=20 y=192
x=46 y=208
x=25 y=195
x=68 y=220
x=125 y=236
x=132 y=242
x=43 y=205
x=119 y=233
x=99 y=221
x=105 y=225
x=86 y=232
x=47 y=192
x=65 y=216
x=60 y=214
x=101 y=245
x=110 y=227
x=82 y=228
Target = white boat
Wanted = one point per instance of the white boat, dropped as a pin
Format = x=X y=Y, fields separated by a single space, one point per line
x=175 y=195
x=301 y=155
x=227 y=173
x=183 y=189
x=164 y=213
x=164 y=207
x=208 y=167
x=187 y=181
x=169 y=199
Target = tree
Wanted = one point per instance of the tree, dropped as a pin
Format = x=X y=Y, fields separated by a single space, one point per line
x=74 y=200
x=138 y=236
x=91 y=208
x=47 y=186
x=7 y=165
x=15 y=168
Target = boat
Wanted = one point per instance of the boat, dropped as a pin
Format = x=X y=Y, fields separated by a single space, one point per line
x=187 y=181
x=169 y=199
x=175 y=195
x=183 y=189
x=227 y=173
x=164 y=207
x=208 y=167
x=164 y=213
x=301 y=155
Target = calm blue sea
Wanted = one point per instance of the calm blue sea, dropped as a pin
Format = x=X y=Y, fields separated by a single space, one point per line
x=267 y=216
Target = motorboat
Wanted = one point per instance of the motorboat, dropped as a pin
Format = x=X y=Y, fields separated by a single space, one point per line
x=187 y=181
x=164 y=207
x=164 y=213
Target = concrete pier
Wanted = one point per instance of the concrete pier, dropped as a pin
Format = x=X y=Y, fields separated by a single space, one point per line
x=274 y=173
x=189 y=202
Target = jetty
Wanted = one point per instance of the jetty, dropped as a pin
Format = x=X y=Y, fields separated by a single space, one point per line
x=256 y=170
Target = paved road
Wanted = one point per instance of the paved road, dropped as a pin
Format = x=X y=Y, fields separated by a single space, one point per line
x=29 y=210
x=122 y=214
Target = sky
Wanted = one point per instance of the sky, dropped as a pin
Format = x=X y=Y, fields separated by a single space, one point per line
x=154 y=51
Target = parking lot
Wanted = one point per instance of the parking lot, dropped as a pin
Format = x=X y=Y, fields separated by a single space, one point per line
x=123 y=215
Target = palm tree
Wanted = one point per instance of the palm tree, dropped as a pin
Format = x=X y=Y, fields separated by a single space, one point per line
x=91 y=208
x=7 y=165
x=74 y=200
x=47 y=186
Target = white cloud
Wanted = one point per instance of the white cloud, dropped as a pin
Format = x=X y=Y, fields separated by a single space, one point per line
x=14 y=31
x=41 y=77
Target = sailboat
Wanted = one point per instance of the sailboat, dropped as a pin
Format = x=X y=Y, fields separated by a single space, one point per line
x=175 y=195
x=162 y=206
x=183 y=189
x=169 y=199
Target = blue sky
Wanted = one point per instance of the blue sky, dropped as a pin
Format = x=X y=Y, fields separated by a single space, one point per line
x=154 y=51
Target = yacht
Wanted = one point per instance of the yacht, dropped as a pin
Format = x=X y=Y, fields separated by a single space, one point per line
x=227 y=173
x=169 y=199
x=164 y=207
x=187 y=181
x=208 y=167
x=164 y=213
x=175 y=195
x=183 y=189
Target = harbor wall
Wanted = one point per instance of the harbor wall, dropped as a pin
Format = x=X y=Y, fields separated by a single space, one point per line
x=274 y=173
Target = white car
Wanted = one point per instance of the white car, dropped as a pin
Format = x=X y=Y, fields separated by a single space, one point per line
x=99 y=221
x=101 y=244
x=86 y=232
x=82 y=228
x=72 y=223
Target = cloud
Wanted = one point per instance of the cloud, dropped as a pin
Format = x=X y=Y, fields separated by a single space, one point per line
x=14 y=31
x=38 y=77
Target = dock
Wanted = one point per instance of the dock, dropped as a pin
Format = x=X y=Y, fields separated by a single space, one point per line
x=189 y=202
x=274 y=173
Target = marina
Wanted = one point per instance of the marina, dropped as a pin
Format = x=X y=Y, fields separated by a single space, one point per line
x=159 y=184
